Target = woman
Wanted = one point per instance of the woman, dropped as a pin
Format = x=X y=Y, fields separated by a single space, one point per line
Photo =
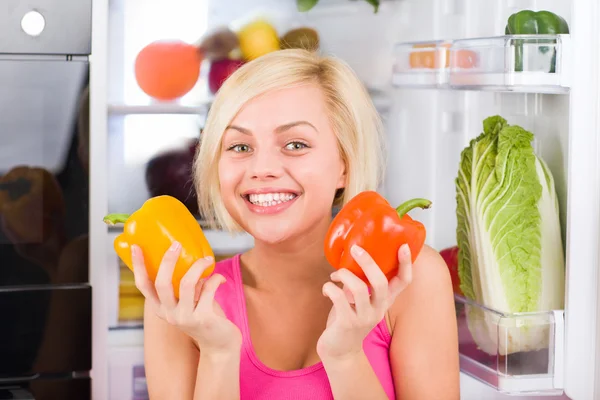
x=288 y=136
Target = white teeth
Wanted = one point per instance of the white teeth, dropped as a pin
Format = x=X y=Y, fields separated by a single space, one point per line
x=270 y=199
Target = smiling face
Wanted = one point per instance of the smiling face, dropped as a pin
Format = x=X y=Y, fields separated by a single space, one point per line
x=280 y=166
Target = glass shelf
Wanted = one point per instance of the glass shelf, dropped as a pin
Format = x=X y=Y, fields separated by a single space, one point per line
x=513 y=353
x=159 y=108
x=379 y=98
x=223 y=243
x=516 y=63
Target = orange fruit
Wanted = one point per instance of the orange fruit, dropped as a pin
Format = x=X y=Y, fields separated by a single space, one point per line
x=167 y=70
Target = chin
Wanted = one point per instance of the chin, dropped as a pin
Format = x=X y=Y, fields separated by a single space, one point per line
x=271 y=232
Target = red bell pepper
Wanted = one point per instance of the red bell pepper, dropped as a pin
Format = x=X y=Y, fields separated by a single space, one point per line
x=370 y=222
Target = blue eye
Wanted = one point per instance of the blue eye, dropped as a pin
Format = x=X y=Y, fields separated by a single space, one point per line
x=296 y=146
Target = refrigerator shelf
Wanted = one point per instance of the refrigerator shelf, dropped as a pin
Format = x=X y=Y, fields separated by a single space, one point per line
x=380 y=100
x=517 y=354
x=125 y=337
x=223 y=243
x=159 y=108
x=513 y=63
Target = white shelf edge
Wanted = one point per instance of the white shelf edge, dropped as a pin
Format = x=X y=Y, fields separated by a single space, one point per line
x=157 y=108
x=125 y=337
x=220 y=241
x=380 y=100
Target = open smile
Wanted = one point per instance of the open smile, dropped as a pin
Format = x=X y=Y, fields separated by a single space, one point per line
x=263 y=201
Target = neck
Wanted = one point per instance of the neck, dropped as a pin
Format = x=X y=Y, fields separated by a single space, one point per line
x=300 y=260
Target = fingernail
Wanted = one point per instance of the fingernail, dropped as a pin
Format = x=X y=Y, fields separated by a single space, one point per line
x=406 y=250
x=175 y=246
x=209 y=258
x=333 y=275
x=134 y=251
x=356 y=250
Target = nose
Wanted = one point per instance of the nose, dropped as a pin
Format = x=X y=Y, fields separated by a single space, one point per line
x=266 y=165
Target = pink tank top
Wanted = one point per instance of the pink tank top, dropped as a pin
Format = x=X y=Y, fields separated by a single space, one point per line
x=259 y=382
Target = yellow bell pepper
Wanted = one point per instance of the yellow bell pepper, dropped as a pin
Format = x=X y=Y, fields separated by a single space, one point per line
x=154 y=227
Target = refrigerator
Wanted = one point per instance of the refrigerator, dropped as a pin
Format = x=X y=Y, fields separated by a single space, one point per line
x=436 y=70
x=45 y=292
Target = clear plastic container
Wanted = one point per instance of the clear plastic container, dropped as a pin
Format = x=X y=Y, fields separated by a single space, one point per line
x=525 y=63
x=521 y=353
x=421 y=64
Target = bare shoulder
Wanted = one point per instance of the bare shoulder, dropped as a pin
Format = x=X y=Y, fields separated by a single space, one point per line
x=424 y=345
x=430 y=280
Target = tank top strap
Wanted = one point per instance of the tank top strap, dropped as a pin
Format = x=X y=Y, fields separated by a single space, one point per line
x=229 y=294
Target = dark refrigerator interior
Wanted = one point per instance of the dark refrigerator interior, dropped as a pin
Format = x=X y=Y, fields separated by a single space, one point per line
x=45 y=295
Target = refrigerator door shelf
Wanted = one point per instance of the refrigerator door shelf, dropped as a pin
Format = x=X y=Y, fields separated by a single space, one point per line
x=517 y=354
x=513 y=63
x=421 y=64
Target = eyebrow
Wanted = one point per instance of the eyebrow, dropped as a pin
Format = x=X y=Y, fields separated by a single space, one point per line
x=279 y=129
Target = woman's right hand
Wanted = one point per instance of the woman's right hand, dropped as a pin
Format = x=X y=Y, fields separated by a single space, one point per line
x=196 y=313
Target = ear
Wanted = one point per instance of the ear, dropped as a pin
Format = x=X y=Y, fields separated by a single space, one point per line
x=342 y=180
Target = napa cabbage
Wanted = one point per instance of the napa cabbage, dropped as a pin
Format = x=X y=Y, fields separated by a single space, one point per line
x=509 y=237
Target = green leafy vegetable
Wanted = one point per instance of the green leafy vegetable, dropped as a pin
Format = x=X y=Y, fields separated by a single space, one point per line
x=511 y=256
x=306 y=5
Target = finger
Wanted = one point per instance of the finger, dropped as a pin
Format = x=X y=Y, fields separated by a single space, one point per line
x=359 y=290
x=190 y=285
x=207 y=295
x=340 y=303
x=164 y=276
x=374 y=274
x=142 y=281
x=349 y=295
x=404 y=277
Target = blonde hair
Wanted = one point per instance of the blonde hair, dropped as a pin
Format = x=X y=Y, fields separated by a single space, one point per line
x=353 y=118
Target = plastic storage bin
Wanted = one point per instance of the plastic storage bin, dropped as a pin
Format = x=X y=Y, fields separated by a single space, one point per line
x=520 y=353
x=529 y=63
x=421 y=64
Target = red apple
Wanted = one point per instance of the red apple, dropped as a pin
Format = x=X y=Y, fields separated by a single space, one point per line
x=220 y=71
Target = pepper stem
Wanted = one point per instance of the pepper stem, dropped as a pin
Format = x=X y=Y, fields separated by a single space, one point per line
x=113 y=219
x=410 y=204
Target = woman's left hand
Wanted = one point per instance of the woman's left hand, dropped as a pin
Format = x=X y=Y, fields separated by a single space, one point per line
x=348 y=324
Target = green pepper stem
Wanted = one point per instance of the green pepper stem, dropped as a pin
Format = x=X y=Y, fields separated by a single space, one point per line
x=410 y=204
x=113 y=219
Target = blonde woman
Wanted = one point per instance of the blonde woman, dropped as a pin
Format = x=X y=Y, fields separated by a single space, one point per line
x=288 y=136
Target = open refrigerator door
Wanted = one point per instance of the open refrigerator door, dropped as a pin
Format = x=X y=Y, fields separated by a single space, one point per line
x=436 y=69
